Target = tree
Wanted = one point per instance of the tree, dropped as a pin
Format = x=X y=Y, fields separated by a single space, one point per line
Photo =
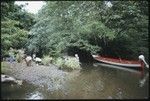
x=64 y=24
x=130 y=23
x=13 y=26
x=12 y=35
x=92 y=26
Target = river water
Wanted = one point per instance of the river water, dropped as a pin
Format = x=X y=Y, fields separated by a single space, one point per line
x=92 y=82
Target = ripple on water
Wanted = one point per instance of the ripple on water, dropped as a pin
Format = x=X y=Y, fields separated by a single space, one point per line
x=35 y=95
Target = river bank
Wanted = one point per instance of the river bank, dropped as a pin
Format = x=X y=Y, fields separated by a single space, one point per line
x=40 y=75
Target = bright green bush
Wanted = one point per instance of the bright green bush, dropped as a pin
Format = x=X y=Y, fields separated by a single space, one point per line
x=46 y=60
x=69 y=63
x=59 y=62
x=72 y=63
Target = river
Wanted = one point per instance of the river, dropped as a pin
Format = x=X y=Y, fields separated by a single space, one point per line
x=92 y=82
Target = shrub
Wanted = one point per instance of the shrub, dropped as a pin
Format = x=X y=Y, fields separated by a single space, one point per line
x=46 y=60
x=59 y=62
x=68 y=63
x=19 y=58
x=72 y=63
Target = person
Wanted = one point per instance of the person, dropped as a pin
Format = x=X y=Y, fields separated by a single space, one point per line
x=28 y=60
x=143 y=62
x=36 y=59
x=76 y=55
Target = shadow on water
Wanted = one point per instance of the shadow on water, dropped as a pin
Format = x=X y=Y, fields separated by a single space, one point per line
x=92 y=82
x=14 y=91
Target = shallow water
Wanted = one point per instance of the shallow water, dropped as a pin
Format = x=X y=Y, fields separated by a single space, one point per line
x=92 y=82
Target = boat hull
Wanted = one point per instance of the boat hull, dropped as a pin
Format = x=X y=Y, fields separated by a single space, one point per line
x=118 y=62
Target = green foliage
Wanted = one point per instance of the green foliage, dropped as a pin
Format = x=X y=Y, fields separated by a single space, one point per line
x=26 y=19
x=64 y=24
x=120 y=30
x=59 y=62
x=7 y=8
x=130 y=23
x=46 y=60
x=12 y=36
x=14 y=25
x=70 y=63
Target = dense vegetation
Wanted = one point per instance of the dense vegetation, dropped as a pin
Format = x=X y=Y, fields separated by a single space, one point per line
x=78 y=26
x=15 y=24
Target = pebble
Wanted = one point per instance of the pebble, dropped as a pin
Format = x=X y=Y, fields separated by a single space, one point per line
x=49 y=76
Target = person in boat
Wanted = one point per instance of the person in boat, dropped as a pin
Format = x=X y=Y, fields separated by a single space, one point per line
x=143 y=62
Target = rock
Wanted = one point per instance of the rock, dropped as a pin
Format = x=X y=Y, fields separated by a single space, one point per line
x=9 y=79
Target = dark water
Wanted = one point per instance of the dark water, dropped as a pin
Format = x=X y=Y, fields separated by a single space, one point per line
x=92 y=82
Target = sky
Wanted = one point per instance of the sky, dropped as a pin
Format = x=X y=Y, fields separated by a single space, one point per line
x=32 y=7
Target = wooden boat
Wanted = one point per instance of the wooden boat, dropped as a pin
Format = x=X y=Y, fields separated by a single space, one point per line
x=135 y=64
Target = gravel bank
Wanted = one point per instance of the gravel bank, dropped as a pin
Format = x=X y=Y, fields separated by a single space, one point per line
x=45 y=76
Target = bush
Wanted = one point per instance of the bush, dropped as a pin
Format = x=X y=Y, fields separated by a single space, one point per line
x=46 y=60
x=72 y=63
x=68 y=63
x=19 y=58
x=59 y=62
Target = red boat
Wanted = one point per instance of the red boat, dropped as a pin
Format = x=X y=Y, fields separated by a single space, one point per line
x=136 y=64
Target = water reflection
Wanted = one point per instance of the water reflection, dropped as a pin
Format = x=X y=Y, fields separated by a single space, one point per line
x=35 y=95
x=143 y=79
